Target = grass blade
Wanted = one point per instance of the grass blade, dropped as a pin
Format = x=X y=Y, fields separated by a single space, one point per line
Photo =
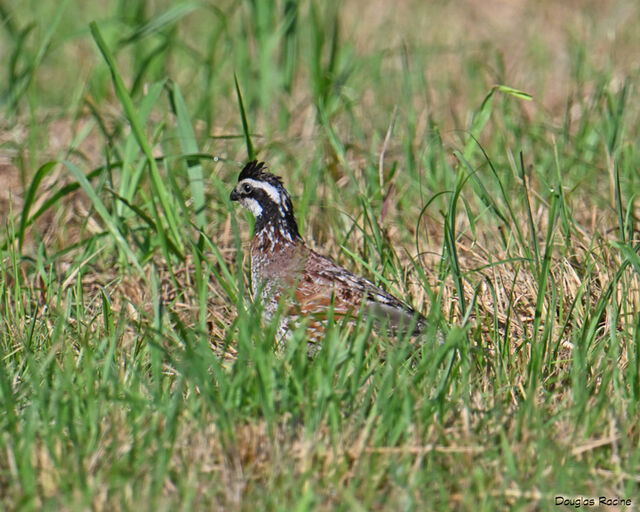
x=30 y=197
x=245 y=124
x=127 y=103
x=110 y=223
x=190 y=146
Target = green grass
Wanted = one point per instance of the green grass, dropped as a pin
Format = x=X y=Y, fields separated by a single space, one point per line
x=133 y=374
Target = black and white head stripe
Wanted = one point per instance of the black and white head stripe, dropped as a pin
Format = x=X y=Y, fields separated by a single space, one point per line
x=264 y=195
x=255 y=174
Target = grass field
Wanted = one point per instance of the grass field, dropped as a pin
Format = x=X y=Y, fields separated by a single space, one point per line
x=478 y=159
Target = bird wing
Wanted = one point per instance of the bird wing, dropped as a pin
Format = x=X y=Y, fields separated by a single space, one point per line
x=324 y=283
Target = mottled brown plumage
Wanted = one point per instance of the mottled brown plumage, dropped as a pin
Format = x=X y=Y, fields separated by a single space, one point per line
x=281 y=263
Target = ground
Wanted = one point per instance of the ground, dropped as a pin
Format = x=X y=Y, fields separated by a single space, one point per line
x=477 y=159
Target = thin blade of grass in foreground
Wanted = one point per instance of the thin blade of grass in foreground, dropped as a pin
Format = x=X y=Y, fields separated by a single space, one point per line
x=190 y=146
x=30 y=197
x=532 y=228
x=129 y=109
x=133 y=168
x=251 y=154
x=482 y=116
x=104 y=214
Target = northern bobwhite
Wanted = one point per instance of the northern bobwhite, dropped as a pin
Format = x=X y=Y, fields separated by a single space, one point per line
x=281 y=262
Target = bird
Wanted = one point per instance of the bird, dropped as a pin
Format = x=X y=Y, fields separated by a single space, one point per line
x=283 y=265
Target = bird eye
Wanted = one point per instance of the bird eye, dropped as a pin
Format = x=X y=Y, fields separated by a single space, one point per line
x=246 y=188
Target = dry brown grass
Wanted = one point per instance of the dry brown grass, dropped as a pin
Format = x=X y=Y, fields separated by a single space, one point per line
x=530 y=45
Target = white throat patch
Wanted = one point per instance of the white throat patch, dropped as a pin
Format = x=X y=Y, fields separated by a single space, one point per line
x=252 y=205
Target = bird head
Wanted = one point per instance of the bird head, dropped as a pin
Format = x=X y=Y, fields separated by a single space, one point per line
x=264 y=195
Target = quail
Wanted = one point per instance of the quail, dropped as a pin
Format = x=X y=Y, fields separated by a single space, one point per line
x=282 y=263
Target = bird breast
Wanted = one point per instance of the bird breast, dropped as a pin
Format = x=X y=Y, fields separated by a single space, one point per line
x=276 y=261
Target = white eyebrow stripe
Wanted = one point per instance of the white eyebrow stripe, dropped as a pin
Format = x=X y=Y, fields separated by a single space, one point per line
x=271 y=191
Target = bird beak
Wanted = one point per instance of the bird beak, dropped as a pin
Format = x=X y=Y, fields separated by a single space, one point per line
x=234 y=195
